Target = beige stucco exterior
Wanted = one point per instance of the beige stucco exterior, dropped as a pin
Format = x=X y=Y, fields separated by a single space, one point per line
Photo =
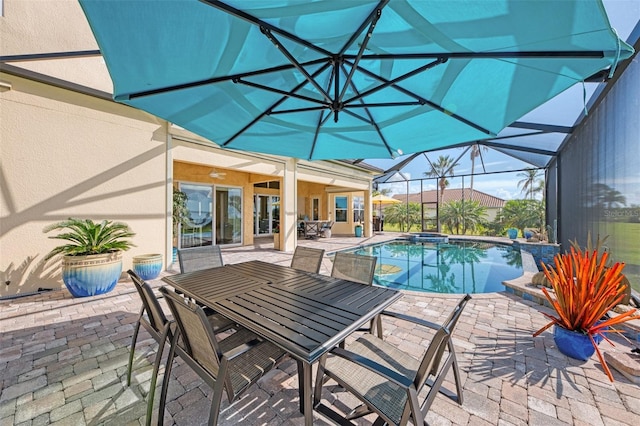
x=68 y=151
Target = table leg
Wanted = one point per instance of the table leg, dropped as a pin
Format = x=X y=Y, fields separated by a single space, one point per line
x=305 y=391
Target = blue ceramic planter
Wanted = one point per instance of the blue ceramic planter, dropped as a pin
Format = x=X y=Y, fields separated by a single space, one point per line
x=512 y=233
x=91 y=275
x=147 y=266
x=574 y=344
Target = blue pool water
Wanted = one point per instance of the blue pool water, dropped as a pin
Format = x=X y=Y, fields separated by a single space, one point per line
x=451 y=267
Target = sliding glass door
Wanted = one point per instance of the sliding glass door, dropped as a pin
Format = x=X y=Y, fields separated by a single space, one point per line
x=198 y=230
x=211 y=221
x=228 y=215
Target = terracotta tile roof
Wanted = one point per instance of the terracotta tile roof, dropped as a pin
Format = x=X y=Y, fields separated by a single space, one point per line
x=450 y=194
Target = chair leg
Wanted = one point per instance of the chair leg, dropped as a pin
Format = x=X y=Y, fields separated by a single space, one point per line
x=378 y=320
x=165 y=381
x=134 y=339
x=154 y=374
x=216 y=398
x=317 y=393
x=456 y=373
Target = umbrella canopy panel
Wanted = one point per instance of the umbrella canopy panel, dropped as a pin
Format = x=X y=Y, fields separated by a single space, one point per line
x=359 y=79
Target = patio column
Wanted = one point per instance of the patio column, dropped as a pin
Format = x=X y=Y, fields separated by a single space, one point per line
x=288 y=206
x=368 y=213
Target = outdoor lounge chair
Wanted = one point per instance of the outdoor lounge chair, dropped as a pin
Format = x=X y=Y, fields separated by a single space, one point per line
x=160 y=328
x=388 y=380
x=307 y=259
x=354 y=267
x=197 y=258
x=230 y=365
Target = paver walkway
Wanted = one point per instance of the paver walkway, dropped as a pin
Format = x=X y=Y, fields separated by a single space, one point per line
x=63 y=361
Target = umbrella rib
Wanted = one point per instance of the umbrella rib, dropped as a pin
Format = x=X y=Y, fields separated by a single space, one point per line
x=321 y=122
x=260 y=23
x=397 y=79
x=384 y=104
x=375 y=13
x=295 y=63
x=214 y=80
x=269 y=110
x=281 y=92
x=374 y=20
x=373 y=122
x=292 y=110
x=428 y=102
x=487 y=55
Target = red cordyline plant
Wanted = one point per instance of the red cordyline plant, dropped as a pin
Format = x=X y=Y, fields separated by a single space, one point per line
x=585 y=291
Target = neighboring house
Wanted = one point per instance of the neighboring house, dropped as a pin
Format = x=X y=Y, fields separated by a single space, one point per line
x=430 y=199
x=68 y=150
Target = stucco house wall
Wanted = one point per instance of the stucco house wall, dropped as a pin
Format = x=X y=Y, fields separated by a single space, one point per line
x=66 y=154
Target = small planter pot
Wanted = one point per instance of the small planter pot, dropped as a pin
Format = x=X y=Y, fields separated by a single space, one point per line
x=574 y=344
x=358 y=231
x=512 y=233
x=91 y=275
x=147 y=266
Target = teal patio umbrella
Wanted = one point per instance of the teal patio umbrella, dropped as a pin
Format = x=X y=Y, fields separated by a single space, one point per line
x=336 y=79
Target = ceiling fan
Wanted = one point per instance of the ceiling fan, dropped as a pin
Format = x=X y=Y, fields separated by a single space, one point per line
x=217 y=175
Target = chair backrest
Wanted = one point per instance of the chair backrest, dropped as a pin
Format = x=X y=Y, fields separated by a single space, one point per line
x=155 y=314
x=354 y=267
x=307 y=259
x=197 y=338
x=433 y=357
x=197 y=258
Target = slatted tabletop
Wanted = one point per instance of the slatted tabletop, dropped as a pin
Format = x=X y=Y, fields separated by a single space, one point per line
x=305 y=314
x=210 y=285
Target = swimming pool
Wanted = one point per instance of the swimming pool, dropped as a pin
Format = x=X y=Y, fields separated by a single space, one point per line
x=451 y=267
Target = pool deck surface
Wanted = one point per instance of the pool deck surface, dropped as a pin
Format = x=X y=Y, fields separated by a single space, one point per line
x=63 y=361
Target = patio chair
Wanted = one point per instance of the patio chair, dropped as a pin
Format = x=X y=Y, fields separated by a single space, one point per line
x=388 y=380
x=160 y=328
x=354 y=267
x=230 y=365
x=358 y=268
x=325 y=231
x=197 y=258
x=307 y=259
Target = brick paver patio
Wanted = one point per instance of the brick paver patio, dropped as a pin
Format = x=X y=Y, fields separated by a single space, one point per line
x=63 y=361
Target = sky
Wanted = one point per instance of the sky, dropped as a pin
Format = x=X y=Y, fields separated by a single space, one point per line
x=563 y=110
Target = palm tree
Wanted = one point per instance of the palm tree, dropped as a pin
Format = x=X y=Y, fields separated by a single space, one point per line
x=441 y=169
x=403 y=215
x=468 y=215
x=612 y=198
x=530 y=182
x=475 y=153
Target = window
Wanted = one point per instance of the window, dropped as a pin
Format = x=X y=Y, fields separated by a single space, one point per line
x=341 y=209
x=358 y=209
x=315 y=209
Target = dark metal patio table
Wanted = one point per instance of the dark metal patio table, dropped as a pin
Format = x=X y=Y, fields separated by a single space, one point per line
x=305 y=314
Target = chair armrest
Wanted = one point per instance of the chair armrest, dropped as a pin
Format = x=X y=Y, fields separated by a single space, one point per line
x=414 y=320
x=374 y=367
x=239 y=350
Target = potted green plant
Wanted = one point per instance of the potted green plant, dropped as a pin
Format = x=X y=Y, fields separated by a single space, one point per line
x=180 y=216
x=92 y=258
x=585 y=290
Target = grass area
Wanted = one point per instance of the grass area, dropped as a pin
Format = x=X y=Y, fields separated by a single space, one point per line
x=394 y=227
x=623 y=243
